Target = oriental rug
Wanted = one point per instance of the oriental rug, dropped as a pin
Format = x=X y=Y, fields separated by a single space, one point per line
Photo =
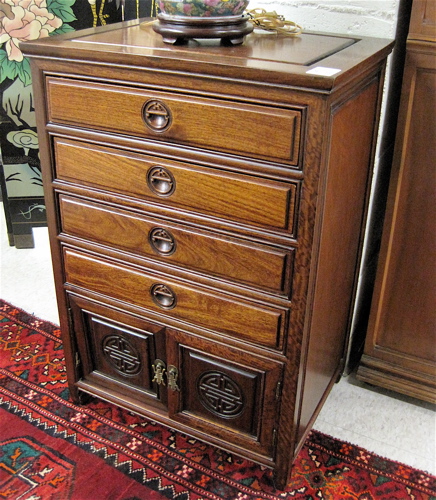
x=51 y=448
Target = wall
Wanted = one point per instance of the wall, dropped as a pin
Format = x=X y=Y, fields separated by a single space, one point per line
x=355 y=17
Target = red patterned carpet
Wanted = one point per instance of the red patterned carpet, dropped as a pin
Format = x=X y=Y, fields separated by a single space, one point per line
x=53 y=449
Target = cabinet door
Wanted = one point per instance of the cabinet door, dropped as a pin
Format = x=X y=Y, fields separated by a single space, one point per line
x=119 y=354
x=223 y=392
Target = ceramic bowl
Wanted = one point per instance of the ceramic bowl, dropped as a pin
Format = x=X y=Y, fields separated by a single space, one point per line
x=202 y=8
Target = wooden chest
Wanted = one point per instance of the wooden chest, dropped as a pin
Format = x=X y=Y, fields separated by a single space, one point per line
x=206 y=207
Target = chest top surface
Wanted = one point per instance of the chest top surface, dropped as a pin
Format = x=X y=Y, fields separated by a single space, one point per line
x=315 y=60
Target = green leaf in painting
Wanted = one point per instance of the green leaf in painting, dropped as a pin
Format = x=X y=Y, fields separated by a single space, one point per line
x=8 y=69
x=60 y=3
x=65 y=28
x=62 y=9
x=66 y=14
x=24 y=73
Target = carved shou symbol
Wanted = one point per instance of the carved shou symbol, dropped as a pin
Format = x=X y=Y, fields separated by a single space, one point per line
x=122 y=355
x=161 y=181
x=162 y=241
x=156 y=116
x=220 y=394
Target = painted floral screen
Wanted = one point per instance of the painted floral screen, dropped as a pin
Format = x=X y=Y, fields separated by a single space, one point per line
x=20 y=175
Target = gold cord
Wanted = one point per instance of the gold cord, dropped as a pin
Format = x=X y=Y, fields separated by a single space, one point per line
x=271 y=21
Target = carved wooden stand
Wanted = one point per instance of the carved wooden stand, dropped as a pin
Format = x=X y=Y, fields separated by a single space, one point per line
x=177 y=29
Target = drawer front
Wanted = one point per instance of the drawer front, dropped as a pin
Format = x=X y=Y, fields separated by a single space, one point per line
x=229 y=258
x=236 y=317
x=251 y=130
x=234 y=197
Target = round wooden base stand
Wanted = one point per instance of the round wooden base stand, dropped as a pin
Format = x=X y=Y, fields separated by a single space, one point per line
x=180 y=29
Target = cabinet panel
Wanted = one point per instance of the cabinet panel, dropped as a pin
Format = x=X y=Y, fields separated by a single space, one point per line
x=225 y=392
x=409 y=290
x=240 y=318
x=215 y=124
x=221 y=194
x=258 y=265
x=115 y=355
x=423 y=21
x=400 y=348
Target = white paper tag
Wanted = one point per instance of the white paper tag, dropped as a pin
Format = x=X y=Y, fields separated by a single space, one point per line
x=323 y=71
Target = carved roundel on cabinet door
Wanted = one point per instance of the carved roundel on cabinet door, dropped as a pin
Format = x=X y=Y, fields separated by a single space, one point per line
x=122 y=355
x=220 y=394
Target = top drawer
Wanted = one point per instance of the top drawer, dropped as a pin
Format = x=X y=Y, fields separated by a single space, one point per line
x=251 y=130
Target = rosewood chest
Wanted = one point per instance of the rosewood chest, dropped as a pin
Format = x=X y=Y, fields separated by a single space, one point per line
x=206 y=207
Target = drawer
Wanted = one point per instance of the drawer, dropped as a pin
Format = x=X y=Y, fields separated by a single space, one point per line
x=239 y=318
x=235 y=197
x=247 y=129
x=229 y=258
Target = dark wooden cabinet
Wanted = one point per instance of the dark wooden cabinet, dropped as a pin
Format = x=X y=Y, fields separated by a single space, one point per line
x=206 y=206
x=400 y=350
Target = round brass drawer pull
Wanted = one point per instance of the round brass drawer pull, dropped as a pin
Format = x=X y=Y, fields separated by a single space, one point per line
x=162 y=241
x=161 y=181
x=163 y=296
x=157 y=116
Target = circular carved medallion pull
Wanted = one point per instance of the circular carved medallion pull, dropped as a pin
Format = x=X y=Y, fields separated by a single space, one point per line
x=163 y=296
x=122 y=355
x=161 y=181
x=162 y=241
x=157 y=116
x=220 y=394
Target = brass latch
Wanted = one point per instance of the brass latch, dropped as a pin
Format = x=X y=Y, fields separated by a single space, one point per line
x=159 y=371
x=172 y=374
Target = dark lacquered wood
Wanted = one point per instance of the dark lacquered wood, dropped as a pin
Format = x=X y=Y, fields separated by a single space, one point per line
x=131 y=372
x=257 y=379
x=231 y=30
x=400 y=350
x=254 y=171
